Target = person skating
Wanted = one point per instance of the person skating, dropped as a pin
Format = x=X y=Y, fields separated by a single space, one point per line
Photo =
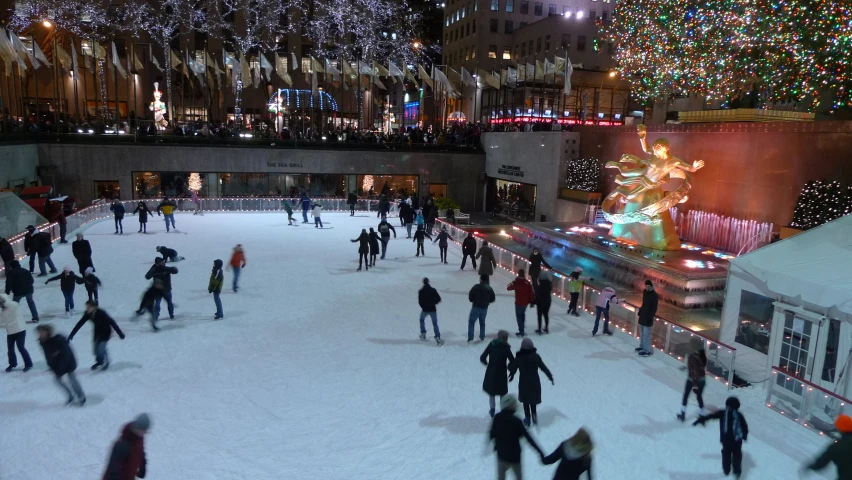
x=217 y=279
x=60 y=359
x=407 y=215
x=142 y=211
x=536 y=261
x=528 y=363
x=420 y=236
x=162 y=276
x=524 y=298
x=352 y=199
x=118 y=210
x=420 y=220
x=363 y=249
x=16 y=335
x=480 y=296
x=488 y=262
x=67 y=283
x=442 y=243
x=385 y=230
x=733 y=431
x=646 y=319
x=167 y=207
x=316 y=212
x=238 y=263
x=306 y=205
x=30 y=245
x=696 y=366
x=506 y=432
x=574 y=457
x=19 y=282
x=431 y=217
x=102 y=327
x=606 y=298
x=575 y=286
x=543 y=292
x=169 y=254
x=428 y=299
x=839 y=453
x=62 y=222
x=468 y=250
x=374 y=246
x=43 y=245
x=197 y=202
x=91 y=282
x=7 y=254
x=496 y=358
x=127 y=459
x=82 y=250
x=149 y=298
x=289 y=210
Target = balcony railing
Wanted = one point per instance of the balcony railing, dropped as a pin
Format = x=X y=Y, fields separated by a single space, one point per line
x=805 y=403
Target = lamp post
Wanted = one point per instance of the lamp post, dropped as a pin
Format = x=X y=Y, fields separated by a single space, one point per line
x=611 y=74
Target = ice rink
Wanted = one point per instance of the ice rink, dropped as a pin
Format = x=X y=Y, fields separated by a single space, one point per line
x=317 y=372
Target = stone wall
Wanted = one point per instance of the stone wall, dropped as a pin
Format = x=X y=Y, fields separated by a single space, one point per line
x=18 y=165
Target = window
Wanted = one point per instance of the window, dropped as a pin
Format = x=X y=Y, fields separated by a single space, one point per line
x=522 y=25
x=472 y=53
x=538 y=45
x=547 y=43
x=592 y=15
x=447 y=24
x=473 y=27
x=495 y=5
x=755 y=321
x=551 y=10
x=476 y=6
x=306 y=64
x=507 y=53
x=605 y=1
x=581 y=43
x=523 y=49
x=566 y=10
x=510 y=6
x=467 y=55
x=525 y=7
x=517 y=51
x=467 y=30
x=531 y=52
x=492 y=51
x=605 y=15
x=566 y=41
x=829 y=364
x=493 y=25
x=458 y=15
x=508 y=27
x=538 y=6
x=462 y=12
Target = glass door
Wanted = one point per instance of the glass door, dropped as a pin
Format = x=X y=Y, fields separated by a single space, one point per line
x=798 y=349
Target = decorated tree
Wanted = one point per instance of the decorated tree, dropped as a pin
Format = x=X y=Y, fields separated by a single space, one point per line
x=821 y=202
x=584 y=174
x=194 y=182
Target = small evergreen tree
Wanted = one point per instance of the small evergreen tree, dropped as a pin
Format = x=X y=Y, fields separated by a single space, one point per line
x=584 y=174
x=821 y=202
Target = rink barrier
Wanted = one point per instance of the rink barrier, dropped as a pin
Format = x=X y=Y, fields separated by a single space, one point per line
x=667 y=336
x=806 y=403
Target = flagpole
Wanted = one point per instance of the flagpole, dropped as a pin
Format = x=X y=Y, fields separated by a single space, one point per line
x=85 y=88
x=56 y=106
x=115 y=61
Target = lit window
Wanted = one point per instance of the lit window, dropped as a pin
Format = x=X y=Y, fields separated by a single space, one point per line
x=492 y=51
x=507 y=53
x=495 y=5
x=510 y=6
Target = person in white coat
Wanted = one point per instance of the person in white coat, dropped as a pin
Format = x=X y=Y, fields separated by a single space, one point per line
x=16 y=335
x=605 y=299
x=316 y=211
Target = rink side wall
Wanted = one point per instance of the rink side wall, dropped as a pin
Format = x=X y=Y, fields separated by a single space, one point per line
x=18 y=165
x=79 y=166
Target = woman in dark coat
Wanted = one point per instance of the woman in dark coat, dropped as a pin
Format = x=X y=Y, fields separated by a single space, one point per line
x=142 y=210
x=529 y=385
x=574 y=456
x=61 y=361
x=496 y=356
x=363 y=249
x=542 y=301
x=374 y=247
x=536 y=261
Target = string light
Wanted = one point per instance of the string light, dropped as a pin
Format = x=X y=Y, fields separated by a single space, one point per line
x=584 y=174
x=821 y=202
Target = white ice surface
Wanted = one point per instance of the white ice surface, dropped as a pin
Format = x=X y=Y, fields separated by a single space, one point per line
x=316 y=372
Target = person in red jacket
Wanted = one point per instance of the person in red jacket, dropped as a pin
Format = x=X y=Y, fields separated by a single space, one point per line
x=238 y=263
x=524 y=296
x=127 y=460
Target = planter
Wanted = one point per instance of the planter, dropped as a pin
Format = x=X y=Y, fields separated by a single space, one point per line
x=579 y=196
x=787 y=232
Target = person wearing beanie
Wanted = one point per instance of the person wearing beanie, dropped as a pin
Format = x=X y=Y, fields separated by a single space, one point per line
x=536 y=261
x=214 y=286
x=646 y=319
x=442 y=243
x=374 y=246
x=506 y=433
x=420 y=236
x=61 y=361
x=169 y=254
x=543 y=299
x=161 y=274
x=118 y=210
x=238 y=263
x=575 y=286
x=524 y=296
x=839 y=453
x=82 y=251
x=102 y=331
x=574 y=457
x=488 y=262
x=528 y=363
x=496 y=358
x=19 y=282
x=385 y=230
x=16 y=334
x=363 y=241
x=68 y=281
x=468 y=250
x=480 y=296
x=127 y=459
x=143 y=211
x=91 y=282
x=605 y=299
x=733 y=431
x=428 y=299
x=696 y=364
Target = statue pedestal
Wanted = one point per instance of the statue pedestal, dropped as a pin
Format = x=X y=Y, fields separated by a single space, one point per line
x=661 y=236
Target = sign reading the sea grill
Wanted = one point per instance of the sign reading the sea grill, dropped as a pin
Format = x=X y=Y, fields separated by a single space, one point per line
x=510 y=171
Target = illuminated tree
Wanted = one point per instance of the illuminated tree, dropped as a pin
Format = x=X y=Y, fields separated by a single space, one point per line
x=194 y=182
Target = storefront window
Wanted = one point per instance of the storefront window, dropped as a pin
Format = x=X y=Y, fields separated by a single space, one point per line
x=755 y=321
x=513 y=199
x=156 y=184
x=244 y=184
x=107 y=189
x=374 y=185
x=146 y=184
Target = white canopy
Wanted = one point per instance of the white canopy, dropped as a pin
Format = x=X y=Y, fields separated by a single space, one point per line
x=815 y=265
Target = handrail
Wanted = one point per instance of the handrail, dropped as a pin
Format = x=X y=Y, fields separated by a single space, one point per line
x=810 y=384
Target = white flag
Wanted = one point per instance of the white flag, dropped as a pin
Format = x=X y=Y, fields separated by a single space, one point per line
x=569 y=69
x=294 y=62
x=117 y=62
x=23 y=53
x=467 y=78
x=74 y=59
x=393 y=70
x=40 y=55
x=281 y=70
x=329 y=68
x=266 y=66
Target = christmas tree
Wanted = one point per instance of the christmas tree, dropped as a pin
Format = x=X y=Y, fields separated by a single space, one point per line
x=821 y=202
x=584 y=174
x=195 y=182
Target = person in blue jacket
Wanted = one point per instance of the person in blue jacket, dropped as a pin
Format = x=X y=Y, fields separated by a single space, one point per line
x=419 y=220
x=118 y=210
x=306 y=205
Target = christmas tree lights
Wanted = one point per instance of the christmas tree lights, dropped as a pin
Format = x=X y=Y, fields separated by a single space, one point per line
x=821 y=202
x=194 y=182
x=584 y=174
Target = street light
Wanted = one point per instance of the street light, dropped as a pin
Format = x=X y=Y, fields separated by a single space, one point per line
x=612 y=74
x=416 y=45
x=47 y=23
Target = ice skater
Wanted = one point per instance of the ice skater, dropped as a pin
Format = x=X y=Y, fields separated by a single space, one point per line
x=536 y=262
x=118 y=210
x=149 y=298
x=352 y=199
x=19 y=282
x=480 y=296
x=127 y=459
x=468 y=250
x=733 y=431
x=420 y=236
x=442 y=243
x=374 y=246
x=238 y=263
x=506 y=433
x=169 y=254
x=91 y=282
x=60 y=359
x=488 y=262
x=68 y=281
x=363 y=249
x=524 y=298
x=103 y=325
x=543 y=299
x=168 y=208
x=316 y=212
x=30 y=246
x=575 y=286
x=306 y=205
x=214 y=286
x=428 y=299
x=574 y=457
x=696 y=365
x=646 y=319
x=496 y=358
x=606 y=298
x=162 y=276
x=289 y=210
x=82 y=250
x=419 y=220
x=385 y=230
x=197 y=202
x=839 y=452
x=43 y=245
x=406 y=215
x=7 y=253
x=142 y=211
x=16 y=334
x=528 y=363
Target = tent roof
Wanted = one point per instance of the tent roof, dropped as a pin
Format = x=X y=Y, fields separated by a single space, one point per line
x=815 y=265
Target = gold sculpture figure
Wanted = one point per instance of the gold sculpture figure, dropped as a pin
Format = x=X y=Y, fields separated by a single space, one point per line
x=639 y=208
x=159 y=109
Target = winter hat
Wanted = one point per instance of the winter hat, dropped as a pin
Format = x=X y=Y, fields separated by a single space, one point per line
x=733 y=402
x=578 y=269
x=158 y=248
x=483 y=278
x=843 y=423
x=527 y=344
x=508 y=402
x=66 y=268
x=217 y=263
x=158 y=260
x=503 y=335
x=648 y=283
x=30 y=228
x=141 y=423
x=88 y=270
x=425 y=281
x=522 y=273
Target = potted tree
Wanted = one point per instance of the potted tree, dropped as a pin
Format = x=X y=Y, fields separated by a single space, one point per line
x=443 y=204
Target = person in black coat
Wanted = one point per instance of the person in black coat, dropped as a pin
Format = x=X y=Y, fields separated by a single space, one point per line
x=733 y=431
x=118 y=211
x=101 y=333
x=92 y=283
x=68 y=281
x=431 y=217
x=352 y=200
x=82 y=251
x=29 y=246
x=536 y=261
x=646 y=319
x=162 y=276
x=60 y=359
x=528 y=362
x=143 y=211
x=43 y=245
x=543 y=300
x=169 y=254
x=385 y=230
x=428 y=299
x=7 y=254
x=420 y=236
x=442 y=238
x=574 y=457
x=506 y=433
x=19 y=282
x=363 y=249
x=374 y=246
x=407 y=215
x=469 y=250
x=496 y=358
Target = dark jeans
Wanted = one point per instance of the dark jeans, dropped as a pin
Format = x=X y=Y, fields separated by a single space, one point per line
x=143 y=227
x=443 y=252
x=18 y=339
x=572 y=307
x=472 y=260
x=30 y=303
x=352 y=208
x=434 y=317
x=521 y=317
x=69 y=301
x=32 y=261
x=169 y=305
x=218 y=303
x=732 y=455
x=699 y=389
x=42 y=259
x=318 y=222
x=385 y=241
x=598 y=312
x=543 y=311
x=118 y=225
x=305 y=216
x=363 y=257
x=74 y=389
x=101 y=355
x=237 y=271
x=63 y=229
x=420 y=250
x=476 y=313
x=93 y=294
x=408 y=229
x=169 y=217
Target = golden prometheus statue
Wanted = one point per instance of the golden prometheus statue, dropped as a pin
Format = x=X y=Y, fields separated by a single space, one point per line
x=639 y=208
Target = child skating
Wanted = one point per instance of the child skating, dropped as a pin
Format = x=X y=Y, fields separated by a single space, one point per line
x=103 y=325
x=420 y=236
x=217 y=279
x=67 y=283
x=91 y=283
x=733 y=431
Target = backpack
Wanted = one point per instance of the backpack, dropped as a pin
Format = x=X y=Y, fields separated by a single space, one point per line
x=383 y=228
